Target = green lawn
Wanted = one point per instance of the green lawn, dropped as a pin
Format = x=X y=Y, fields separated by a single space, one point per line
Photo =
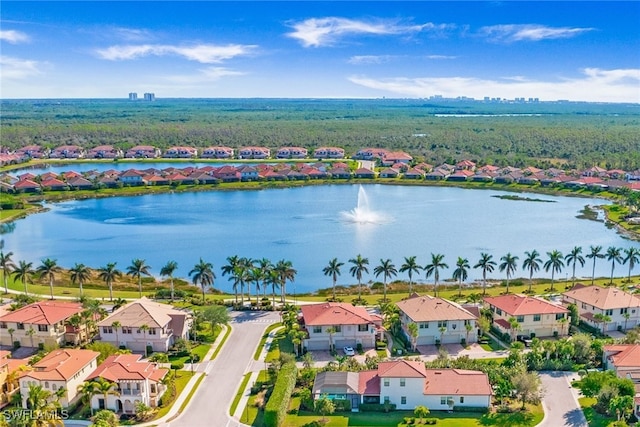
x=180 y=382
x=281 y=343
x=201 y=350
x=239 y=393
x=593 y=418
x=256 y=355
x=492 y=345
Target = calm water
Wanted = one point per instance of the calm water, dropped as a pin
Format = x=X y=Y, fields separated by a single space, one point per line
x=305 y=226
x=81 y=167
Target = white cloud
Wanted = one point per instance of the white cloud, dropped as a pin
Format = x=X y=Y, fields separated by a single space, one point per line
x=370 y=59
x=316 y=32
x=441 y=57
x=203 y=53
x=132 y=34
x=208 y=74
x=529 y=32
x=13 y=36
x=593 y=84
x=16 y=68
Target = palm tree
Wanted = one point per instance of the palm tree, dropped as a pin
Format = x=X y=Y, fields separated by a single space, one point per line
x=272 y=279
x=333 y=269
x=10 y=331
x=357 y=269
x=88 y=389
x=105 y=388
x=119 y=302
x=554 y=263
x=167 y=270
x=203 y=275
x=138 y=268
x=255 y=275
x=115 y=325
x=509 y=264
x=109 y=273
x=487 y=264
x=7 y=266
x=437 y=262
x=602 y=319
x=572 y=258
x=144 y=328
x=615 y=256
x=285 y=272
x=265 y=266
x=31 y=332
x=410 y=266
x=80 y=273
x=460 y=273
x=48 y=268
x=595 y=254
x=531 y=262
x=24 y=273
x=632 y=257
x=388 y=270
x=230 y=269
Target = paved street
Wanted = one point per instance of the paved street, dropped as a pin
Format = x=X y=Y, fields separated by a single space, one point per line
x=210 y=405
x=560 y=402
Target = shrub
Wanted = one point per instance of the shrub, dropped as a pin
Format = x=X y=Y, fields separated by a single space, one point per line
x=16 y=345
x=431 y=421
x=381 y=345
x=377 y=407
x=342 y=405
x=359 y=348
x=476 y=409
x=278 y=404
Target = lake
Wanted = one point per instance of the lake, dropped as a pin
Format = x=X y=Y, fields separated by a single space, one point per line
x=308 y=227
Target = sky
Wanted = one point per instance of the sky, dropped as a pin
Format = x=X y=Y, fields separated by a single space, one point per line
x=579 y=51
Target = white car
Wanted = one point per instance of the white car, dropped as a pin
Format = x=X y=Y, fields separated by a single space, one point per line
x=348 y=351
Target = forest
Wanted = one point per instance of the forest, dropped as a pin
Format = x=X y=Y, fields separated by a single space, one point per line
x=562 y=134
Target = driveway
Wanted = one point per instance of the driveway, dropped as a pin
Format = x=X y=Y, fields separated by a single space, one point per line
x=210 y=404
x=560 y=401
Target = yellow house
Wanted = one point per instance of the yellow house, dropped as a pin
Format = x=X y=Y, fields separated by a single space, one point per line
x=534 y=316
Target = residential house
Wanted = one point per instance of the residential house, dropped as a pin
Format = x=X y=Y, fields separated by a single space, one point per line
x=62 y=368
x=535 y=316
x=47 y=320
x=406 y=384
x=164 y=324
x=340 y=323
x=67 y=152
x=4 y=374
x=364 y=173
x=137 y=381
x=438 y=320
x=143 y=152
x=328 y=153
x=622 y=308
x=105 y=152
x=132 y=177
x=371 y=153
x=624 y=359
x=181 y=153
x=217 y=153
x=394 y=157
x=254 y=153
x=292 y=153
x=32 y=151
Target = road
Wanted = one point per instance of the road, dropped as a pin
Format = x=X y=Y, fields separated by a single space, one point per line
x=210 y=404
x=560 y=402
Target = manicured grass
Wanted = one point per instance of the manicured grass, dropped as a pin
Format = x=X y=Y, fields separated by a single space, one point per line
x=180 y=382
x=593 y=418
x=222 y=341
x=200 y=350
x=190 y=395
x=492 y=345
x=239 y=393
x=281 y=343
x=256 y=355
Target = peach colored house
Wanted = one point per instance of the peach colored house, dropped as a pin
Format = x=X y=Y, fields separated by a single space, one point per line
x=535 y=316
x=62 y=368
x=137 y=381
x=622 y=307
x=625 y=360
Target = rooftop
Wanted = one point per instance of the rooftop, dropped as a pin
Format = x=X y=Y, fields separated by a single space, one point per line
x=520 y=305
x=603 y=298
x=335 y=313
x=428 y=308
x=43 y=313
x=62 y=364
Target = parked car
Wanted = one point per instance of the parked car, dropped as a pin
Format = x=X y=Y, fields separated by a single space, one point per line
x=349 y=351
x=524 y=339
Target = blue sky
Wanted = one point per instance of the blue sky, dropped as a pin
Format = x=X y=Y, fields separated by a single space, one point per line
x=583 y=51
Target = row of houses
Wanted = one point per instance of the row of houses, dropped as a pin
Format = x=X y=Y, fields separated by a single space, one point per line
x=136 y=326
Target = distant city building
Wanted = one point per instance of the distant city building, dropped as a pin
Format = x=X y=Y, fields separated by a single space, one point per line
x=133 y=96
x=149 y=96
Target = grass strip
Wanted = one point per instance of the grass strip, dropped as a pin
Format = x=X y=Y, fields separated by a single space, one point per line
x=224 y=339
x=263 y=340
x=239 y=393
x=188 y=398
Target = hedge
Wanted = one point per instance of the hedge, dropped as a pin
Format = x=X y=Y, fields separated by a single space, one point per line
x=377 y=407
x=276 y=408
x=479 y=409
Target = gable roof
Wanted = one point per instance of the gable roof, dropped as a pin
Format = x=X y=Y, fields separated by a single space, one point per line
x=120 y=367
x=427 y=308
x=401 y=369
x=335 y=313
x=454 y=382
x=142 y=312
x=624 y=355
x=336 y=382
x=62 y=364
x=520 y=305
x=603 y=298
x=43 y=313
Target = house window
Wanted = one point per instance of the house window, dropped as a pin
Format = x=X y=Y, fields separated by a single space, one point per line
x=126 y=330
x=623 y=310
x=461 y=399
x=467 y=322
x=152 y=331
x=363 y=328
x=442 y=323
x=20 y=326
x=338 y=328
x=386 y=399
x=386 y=382
x=498 y=312
x=402 y=382
x=443 y=400
x=536 y=317
x=520 y=319
x=43 y=328
x=317 y=329
x=608 y=312
x=584 y=306
x=107 y=330
x=54 y=387
x=403 y=400
x=424 y=325
x=3 y=325
x=559 y=316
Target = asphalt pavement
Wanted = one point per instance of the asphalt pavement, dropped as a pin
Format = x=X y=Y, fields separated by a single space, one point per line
x=560 y=401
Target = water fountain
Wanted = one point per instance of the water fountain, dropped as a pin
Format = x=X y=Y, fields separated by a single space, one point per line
x=362 y=213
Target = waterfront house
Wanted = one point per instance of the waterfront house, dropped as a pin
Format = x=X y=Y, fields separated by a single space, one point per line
x=181 y=152
x=622 y=308
x=534 y=316
x=143 y=152
x=364 y=173
x=393 y=157
x=254 y=153
x=136 y=381
x=406 y=384
x=439 y=321
x=292 y=153
x=217 y=153
x=624 y=359
x=61 y=369
x=132 y=177
x=32 y=152
x=105 y=152
x=328 y=153
x=67 y=152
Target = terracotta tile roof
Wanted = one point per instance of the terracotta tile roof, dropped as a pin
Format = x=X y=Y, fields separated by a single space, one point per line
x=427 y=308
x=520 y=305
x=61 y=364
x=453 y=382
x=625 y=355
x=335 y=313
x=120 y=367
x=369 y=383
x=603 y=298
x=142 y=312
x=401 y=369
x=502 y=322
x=43 y=313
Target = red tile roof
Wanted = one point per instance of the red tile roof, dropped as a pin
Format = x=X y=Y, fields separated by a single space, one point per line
x=61 y=364
x=335 y=313
x=369 y=383
x=453 y=382
x=43 y=313
x=627 y=356
x=127 y=367
x=401 y=369
x=427 y=308
x=519 y=305
x=603 y=298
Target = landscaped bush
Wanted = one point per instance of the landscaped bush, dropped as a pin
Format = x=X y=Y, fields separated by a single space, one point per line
x=278 y=404
x=476 y=409
x=381 y=345
x=342 y=405
x=430 y=421
x=377 y=407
